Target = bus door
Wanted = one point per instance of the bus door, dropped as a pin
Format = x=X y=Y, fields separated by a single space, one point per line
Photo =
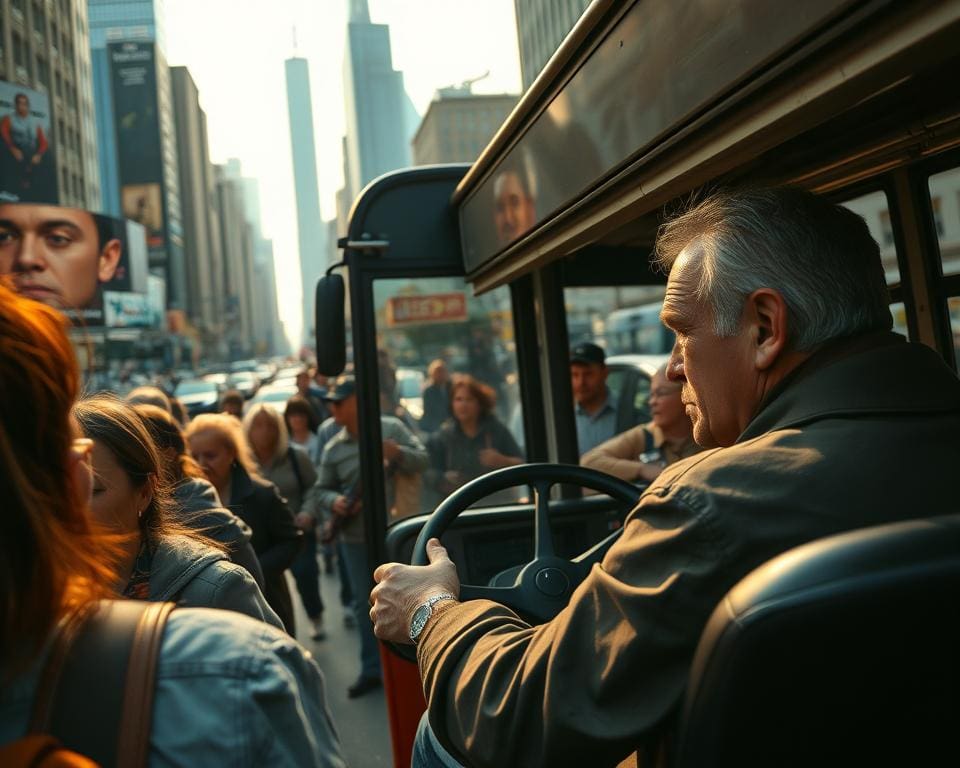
x=455 y=380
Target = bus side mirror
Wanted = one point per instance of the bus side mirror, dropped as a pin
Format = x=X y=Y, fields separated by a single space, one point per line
x=329 y=325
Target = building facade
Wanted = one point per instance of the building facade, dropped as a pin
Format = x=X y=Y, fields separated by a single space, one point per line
x=237 y=242
x=541 y=27
x=458 y=125
x=203 y=259
x=311 y=233
x=136 y=135
x=44 y=53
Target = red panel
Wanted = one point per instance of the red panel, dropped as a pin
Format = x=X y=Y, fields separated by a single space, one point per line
x=405 y=703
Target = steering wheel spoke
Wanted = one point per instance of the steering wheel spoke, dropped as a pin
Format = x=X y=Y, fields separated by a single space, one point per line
x=543 y=536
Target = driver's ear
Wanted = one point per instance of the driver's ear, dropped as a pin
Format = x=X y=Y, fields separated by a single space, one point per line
x=766 y=315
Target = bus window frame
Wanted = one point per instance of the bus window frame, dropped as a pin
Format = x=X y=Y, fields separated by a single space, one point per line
x=942 y=287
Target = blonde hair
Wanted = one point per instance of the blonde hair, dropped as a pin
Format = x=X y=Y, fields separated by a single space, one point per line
x=279 y=424
x=227 y=428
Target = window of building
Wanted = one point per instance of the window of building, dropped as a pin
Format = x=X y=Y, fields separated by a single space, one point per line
x=945 y=202
x=39 y=22
x=875 y=210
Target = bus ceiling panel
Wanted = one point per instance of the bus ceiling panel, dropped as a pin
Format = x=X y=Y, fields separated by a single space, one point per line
x=802 y=93
x=406 y=215
x=600 y=265
x=668 y=62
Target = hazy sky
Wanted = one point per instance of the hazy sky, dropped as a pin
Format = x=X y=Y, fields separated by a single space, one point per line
x=235 y=51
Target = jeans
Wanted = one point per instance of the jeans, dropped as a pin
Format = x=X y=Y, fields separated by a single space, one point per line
x=428 y=752
x=346 y=593
x=355 y=559
x=306 y=573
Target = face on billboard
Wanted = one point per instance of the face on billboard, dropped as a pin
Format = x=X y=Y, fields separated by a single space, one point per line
x=55 y=254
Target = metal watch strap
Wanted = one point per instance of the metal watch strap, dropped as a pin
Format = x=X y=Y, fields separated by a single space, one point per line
x=429 y=603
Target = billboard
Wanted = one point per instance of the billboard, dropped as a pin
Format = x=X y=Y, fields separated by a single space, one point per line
x=133 y=77
x=64 y=257
x=427 y=308
x=28 y=169
x=130 y=310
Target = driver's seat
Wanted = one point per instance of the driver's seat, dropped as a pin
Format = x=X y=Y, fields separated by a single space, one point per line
x=845 y=651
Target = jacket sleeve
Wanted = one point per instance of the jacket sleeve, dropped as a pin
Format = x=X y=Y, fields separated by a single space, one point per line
x=232 y=588
x=586 y=687
x=618 y=455
x=285 y=537
x=327 y=487
x=413 y=456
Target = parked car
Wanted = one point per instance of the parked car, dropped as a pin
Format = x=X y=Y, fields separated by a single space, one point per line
x=410 y=391
x=274 y=396
x=629 y=382
x=245 y=382
x=198 y=396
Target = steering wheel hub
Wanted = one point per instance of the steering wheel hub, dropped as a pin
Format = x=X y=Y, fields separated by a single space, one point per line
x=552 y=581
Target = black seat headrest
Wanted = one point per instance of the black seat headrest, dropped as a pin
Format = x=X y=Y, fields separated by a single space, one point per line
x=841 y=651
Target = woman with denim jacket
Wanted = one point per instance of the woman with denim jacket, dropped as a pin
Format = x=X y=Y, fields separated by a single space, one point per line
x=229 y=690
x=164 y=559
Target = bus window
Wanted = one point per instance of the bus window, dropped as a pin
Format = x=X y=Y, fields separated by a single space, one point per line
x=945 y=202
x=447 y=371
x=875 y=210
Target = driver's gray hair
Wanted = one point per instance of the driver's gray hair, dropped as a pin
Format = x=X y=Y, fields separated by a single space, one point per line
x=819 y=256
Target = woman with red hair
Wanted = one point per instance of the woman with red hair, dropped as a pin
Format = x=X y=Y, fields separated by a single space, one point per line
x=227 y=686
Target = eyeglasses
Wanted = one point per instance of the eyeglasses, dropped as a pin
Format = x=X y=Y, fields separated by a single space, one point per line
x=82 y=450
x=663 y=392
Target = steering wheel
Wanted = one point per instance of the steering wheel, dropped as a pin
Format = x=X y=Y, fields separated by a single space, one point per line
x=542 y=587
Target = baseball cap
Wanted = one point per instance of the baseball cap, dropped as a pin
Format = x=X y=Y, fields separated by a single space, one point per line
x=587 y=353
x=341 y=389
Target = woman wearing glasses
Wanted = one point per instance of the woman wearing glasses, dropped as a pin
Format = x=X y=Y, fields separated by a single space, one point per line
x=640 y=454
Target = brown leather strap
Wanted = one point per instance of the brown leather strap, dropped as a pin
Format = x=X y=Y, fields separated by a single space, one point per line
x=134 y=737
x=96 y=691
x=43 y=698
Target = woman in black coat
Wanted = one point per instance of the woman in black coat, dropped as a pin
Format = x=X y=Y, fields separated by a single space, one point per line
x=217 y=443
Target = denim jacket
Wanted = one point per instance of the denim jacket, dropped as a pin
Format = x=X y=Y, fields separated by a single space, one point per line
x=195 y=575
x=230 y=691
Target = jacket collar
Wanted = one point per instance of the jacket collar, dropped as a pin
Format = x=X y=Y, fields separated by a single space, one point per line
x=867 y=375
x=177 y=560
x=241 y=486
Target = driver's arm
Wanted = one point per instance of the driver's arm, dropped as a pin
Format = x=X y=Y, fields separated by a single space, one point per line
x=585 y=688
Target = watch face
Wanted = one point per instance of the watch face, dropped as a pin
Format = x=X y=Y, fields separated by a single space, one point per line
x=419 y=621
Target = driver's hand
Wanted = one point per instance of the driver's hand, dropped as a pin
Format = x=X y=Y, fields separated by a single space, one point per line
x=401 y=588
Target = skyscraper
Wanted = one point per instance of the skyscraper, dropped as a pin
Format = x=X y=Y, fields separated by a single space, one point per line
x=541 y=27
x=311 y=230
x=202 y=256
x=380 y=117
x=136 y=139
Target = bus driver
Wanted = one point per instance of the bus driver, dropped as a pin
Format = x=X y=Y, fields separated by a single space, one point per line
x=790 y=371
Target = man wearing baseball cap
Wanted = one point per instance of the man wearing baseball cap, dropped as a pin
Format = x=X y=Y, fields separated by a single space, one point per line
x=340 y=497
x=595 y=409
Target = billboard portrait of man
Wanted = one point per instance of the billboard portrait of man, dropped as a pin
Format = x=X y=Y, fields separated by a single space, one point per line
x=28 y=173
x=59 y=256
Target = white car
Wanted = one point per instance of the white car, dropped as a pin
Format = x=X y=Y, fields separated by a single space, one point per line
x=274 y=396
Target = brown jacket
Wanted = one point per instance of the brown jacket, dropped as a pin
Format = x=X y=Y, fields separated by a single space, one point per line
x=863 y=433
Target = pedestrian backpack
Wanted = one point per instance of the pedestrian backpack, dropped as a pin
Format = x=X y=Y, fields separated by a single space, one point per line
x=94 y=697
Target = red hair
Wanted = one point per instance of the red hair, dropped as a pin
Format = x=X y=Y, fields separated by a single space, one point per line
x=51 y=561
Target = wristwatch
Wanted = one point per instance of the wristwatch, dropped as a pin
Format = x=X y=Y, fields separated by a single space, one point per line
x=423 y=613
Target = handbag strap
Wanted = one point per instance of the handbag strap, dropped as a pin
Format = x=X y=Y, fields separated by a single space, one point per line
x=96 y=691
